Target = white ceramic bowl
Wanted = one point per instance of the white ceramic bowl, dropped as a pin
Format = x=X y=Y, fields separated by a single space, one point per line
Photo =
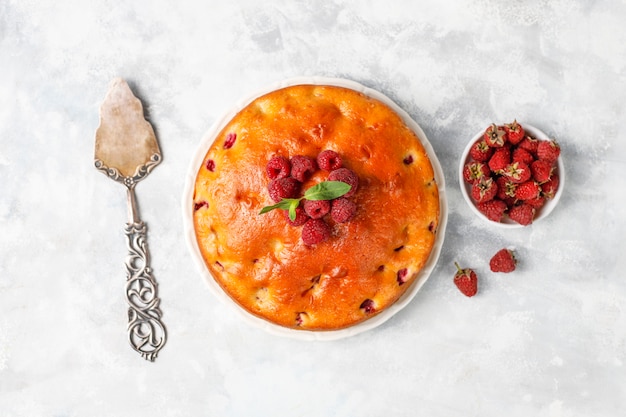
x=541 y=213
x=217 y=291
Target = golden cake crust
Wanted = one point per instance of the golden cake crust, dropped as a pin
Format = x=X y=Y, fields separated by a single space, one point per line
x=261 y=262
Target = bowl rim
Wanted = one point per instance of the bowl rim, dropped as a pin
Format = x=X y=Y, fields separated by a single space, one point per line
x=549 y=205
x=275 y=329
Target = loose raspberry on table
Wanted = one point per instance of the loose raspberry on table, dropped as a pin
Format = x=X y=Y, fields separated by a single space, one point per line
x=329 y=160
x=283 y=188
x=466 y=280
x=342 y=210
x=315 y=231
x=347 y=176
x=302 y=167
x=278 y=167
x=503 y=261
x=316 y=209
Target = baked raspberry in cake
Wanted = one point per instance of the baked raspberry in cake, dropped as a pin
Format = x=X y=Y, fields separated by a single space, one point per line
x=334 y=263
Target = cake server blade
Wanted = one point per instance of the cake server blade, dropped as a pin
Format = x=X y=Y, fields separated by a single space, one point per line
x=126 y=150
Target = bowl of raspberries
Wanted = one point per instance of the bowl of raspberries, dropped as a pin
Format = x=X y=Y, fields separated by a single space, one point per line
x=511 y=174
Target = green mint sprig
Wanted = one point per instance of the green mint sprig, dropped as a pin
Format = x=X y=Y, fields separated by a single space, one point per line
x=325 y=190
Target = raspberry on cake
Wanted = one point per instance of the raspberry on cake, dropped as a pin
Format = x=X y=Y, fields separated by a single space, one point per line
x=364 y=250
x=278 y=167
x=316 y=209
x=347 y=176
x=329 y=160
x=342 y=210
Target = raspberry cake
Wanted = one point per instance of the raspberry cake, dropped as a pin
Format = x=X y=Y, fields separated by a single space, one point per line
x=337 y=262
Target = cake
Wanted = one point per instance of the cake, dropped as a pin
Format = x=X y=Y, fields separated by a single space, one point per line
x=364 y=264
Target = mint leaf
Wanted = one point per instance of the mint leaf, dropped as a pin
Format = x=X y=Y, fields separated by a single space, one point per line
x=292 y=209
x=327 y=190
x=284 y=204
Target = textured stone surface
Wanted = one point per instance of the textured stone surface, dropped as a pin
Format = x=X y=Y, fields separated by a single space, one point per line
x=548 y=340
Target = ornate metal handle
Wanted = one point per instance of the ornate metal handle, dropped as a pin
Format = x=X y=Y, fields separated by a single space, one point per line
x=146 y=332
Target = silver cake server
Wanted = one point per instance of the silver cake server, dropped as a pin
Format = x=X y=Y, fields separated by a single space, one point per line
x=126 y=150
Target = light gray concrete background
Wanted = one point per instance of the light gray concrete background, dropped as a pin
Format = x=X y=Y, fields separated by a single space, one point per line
x=548 y=340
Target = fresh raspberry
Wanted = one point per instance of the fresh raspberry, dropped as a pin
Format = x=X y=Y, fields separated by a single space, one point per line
x=536 y=202
x=550 y=188
x=522 y=155
x=548 y=150
x=230 y=140
x=342 y=210
x=302 y=167
x=515 y=132
x=506 y=188
x=466 y=281
x=315 y=231
x=527 y=190
x=541 y=170
x=510 y=202
x=301 y=217
x=347 y=176
x=329 y=160
x=495 y=136
x=492 y=209
x=480 y=151
x=530 y=144
x=283 y=188
x=484 y=189
x=473 y=171
x=517 y=172
x=500 y=159
x=522 y=214
x=316 y=209
x=503 y=261
x=278 y=167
